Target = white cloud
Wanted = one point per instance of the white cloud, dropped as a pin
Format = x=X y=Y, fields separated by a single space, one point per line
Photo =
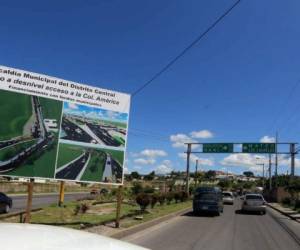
x=242 y=160
x=153 y=153
x=163 y=169
x=267 y=139
x=72 y=105
x=178 y=140
x=143 y=161
x=126 y=170
x=201 y=161
x=201 y=134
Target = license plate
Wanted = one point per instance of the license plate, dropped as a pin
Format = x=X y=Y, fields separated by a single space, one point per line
x=205 y=207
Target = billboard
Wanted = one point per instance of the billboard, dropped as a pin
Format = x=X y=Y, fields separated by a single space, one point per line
x=58 y=129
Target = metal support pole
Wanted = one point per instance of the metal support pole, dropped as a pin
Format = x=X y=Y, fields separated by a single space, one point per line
x=270 y=172
x=263 y=180
x=188 y=154
x=29 y=200
x=61 y=193
x=276 y=160
x=196 y=173
x=119 y=203
x=292 y=149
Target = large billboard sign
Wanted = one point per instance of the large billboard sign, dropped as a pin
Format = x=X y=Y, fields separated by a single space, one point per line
x=58 y=129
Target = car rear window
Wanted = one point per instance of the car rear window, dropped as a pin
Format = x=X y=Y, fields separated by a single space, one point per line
x=254 y=197
x=206 y=196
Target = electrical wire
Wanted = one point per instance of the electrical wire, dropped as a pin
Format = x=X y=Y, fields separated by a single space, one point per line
x=185 y=50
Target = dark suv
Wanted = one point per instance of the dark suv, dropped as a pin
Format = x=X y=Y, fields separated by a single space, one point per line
x=208 y=200
x=5 y=203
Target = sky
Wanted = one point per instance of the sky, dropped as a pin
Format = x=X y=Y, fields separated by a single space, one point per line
x=94 y=113
x=239 y=84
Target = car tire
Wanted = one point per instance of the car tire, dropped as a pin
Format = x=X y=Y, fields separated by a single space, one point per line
x=6 y=209
x=263 y=212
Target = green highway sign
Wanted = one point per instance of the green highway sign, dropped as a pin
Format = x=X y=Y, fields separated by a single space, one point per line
x=263 y=148
x=217 y=148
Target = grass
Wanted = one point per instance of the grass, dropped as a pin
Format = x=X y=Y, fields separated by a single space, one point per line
x=51 y=108
x=42 y=164
x=11 y=151
x=95 y=168
x=15 y=111
x=64 y=216
x=117 y=155
x=68 y=153
x=157 y=211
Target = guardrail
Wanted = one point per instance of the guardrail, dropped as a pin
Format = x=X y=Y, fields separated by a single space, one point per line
x=20 y=214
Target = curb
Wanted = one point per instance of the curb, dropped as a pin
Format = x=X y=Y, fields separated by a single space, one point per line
x=280 y=211
x=134 y=229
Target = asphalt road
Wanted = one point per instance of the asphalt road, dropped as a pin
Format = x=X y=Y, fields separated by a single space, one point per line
x=230 y=231
x=72 y=171
x=19 y=202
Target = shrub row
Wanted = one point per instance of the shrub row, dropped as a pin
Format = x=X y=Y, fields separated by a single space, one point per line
x=144 y=199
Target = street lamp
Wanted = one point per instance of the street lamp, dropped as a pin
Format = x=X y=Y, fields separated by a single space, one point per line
x=263 y=165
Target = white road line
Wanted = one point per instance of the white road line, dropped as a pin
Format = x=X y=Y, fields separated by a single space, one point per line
x=16 y=144
x=66 y=165
x=86 y=129
x=84 y=168
x=107 y=170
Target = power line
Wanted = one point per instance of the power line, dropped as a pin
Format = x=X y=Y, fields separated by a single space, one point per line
x=283 y=106
x=184 y=51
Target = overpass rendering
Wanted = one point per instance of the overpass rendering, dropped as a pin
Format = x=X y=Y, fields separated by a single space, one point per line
x=38 y=132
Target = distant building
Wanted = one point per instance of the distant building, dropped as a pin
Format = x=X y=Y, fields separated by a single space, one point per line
x=51 y=125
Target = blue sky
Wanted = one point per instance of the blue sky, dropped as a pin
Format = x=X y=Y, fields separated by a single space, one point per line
x=95 y=113
x=237 y=84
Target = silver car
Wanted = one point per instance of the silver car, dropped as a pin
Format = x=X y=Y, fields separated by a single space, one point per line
x=254 y=203
x=227 y=197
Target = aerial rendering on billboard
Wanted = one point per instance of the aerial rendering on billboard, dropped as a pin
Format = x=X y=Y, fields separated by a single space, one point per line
x=57 y=129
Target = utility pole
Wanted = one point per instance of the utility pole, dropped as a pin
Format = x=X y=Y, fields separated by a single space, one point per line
x=196 y=173
x=292 y=150
x=276 y=159
x=270 y=172
x=263 y=180
x=188 y=154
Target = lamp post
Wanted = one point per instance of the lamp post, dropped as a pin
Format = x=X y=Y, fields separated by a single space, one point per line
x=263 y=166
x=263 y=177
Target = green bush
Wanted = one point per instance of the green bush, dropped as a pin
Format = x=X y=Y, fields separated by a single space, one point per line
x=154 y=200
x=149 y=190
x=286 y=201
x=169 y=197
x=177 y=196
x=297 y=204
x=183 y=196
x=137 y=188
x=143 y=200
x=162 y=199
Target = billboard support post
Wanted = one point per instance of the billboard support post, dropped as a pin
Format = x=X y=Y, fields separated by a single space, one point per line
x=119 y=203
x=188 y=153
x=29 y=200
x=61 y=193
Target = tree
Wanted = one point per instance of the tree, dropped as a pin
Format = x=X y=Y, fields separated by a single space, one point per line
x=225 y=184
x=248 y=174
x=143 y=200
x=135 y=175
x=210 y=174
x=136 y=188
x=149 y=177
x=293 y=188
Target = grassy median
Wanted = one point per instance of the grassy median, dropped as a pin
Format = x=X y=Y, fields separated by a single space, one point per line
x=98 y=214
